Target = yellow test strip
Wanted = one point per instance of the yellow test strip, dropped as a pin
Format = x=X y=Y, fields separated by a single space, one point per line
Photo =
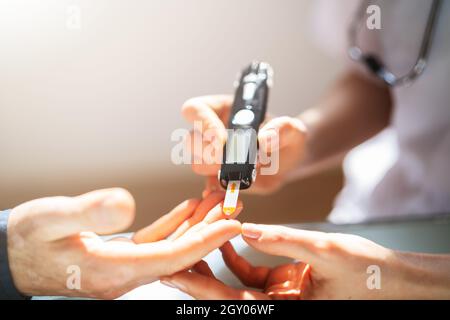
x=231 y=197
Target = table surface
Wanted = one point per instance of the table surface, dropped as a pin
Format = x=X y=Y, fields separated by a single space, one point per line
x=431 y=235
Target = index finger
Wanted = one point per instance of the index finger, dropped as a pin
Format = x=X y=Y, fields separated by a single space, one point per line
x=200 y=213
x=211 y=111
x=303 y=245
x=168 y=223
x=149 y=260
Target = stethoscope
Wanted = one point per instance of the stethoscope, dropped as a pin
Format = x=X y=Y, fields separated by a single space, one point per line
x=375 y=65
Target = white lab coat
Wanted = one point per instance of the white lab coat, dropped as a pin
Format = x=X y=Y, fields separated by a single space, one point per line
x=404 y=170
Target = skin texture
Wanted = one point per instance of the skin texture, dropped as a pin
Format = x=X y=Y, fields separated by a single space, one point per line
x=46 y=236
x=354 y=109
x=336 y=268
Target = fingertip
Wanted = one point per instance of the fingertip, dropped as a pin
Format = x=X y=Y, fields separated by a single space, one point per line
x=239 y=205
x=225 y=246
x=188 y=107
x=251 y=231
x=123 y=197
x=234 y=225
x=267 y=134
x=228 y=227
x=237 y=211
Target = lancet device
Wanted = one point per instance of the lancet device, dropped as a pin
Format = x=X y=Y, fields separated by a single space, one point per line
x=238 y=169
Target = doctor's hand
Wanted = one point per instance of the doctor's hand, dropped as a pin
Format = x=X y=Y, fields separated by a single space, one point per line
x=54 y=247
x=280 y=139
x=333 y=266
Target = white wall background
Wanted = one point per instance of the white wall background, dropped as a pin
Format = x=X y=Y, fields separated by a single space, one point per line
x=102 y=100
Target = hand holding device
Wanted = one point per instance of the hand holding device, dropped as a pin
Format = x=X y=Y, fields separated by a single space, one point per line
x=238 y=170
x=214 y=113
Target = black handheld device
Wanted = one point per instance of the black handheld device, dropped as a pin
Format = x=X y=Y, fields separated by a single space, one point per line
x=247 y=113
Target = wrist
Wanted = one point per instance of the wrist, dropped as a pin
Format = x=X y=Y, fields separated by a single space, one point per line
x=8 y=285
x=312 y=142
x=422 y=276
x=16 y=245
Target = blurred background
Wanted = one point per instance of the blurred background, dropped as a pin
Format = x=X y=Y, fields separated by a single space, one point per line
x=90 y=92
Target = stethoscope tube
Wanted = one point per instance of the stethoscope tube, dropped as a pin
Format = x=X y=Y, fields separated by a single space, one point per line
x=375 y=65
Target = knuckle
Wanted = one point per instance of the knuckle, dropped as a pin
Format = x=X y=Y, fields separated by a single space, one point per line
x=190 y=106
x=285 y=122
x=278 y=237
x=187 y=105
x=327 y=245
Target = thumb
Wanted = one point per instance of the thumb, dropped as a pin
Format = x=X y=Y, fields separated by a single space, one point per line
x=276 y=240
x=280 y=132
x=102 y=211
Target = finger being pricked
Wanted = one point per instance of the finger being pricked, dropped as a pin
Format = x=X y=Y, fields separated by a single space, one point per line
x=209 y=211
x=167 y=224
x=191 y=248
x=215 y=214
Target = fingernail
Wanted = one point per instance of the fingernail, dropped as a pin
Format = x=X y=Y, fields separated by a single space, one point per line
x=251 y=231
x=269 y=139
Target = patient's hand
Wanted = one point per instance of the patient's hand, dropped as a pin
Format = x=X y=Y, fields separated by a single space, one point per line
x=340 y=266
x=49 y=239
x=281 y=282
